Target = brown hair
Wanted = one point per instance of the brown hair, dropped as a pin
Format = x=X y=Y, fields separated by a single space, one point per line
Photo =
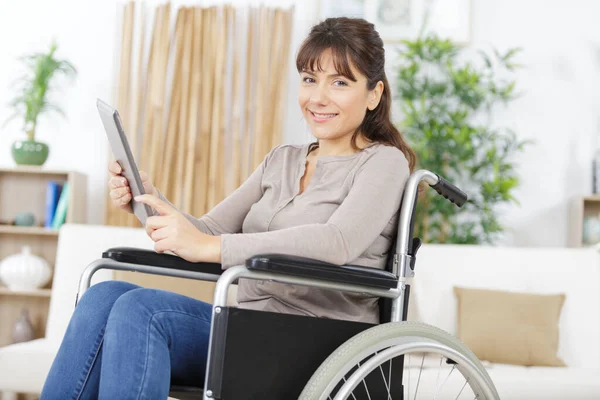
x=354 y=40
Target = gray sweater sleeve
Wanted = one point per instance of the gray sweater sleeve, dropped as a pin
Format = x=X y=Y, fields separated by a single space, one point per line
x=228 y=216
x=371 y=202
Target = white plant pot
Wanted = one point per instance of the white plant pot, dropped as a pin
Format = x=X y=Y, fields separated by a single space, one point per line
x=24 y=271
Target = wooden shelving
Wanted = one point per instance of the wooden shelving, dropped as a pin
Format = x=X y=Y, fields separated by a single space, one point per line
x=26 y=230
x=23 y=189
x=582 y=208
x=33 y=293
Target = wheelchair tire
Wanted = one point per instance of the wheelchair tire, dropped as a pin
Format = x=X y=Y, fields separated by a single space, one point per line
x=407 y=337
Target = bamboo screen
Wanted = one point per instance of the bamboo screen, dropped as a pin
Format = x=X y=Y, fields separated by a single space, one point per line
x=201 y=95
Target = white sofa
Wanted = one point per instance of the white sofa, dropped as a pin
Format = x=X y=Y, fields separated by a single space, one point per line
x=575 y=272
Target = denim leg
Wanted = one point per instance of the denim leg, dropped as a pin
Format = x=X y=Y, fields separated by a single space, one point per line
x=152 y=337
x=75 y=372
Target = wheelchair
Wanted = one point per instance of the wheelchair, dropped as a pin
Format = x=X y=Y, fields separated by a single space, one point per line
x=272 y=356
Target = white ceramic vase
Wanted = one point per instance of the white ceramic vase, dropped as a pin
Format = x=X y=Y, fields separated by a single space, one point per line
x=24 y=271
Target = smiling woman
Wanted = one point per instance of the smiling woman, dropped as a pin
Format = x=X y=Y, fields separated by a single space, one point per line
x=335 y=200
x=344 y=89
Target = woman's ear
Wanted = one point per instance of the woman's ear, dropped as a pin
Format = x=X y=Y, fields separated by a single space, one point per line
x=375 y=96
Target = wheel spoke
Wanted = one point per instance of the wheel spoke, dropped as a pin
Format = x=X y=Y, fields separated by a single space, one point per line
x=390 y=373
x=408 y=381
x=387 y=386
x=437 y=381
x=445 y=380
x=419 y=378
x=461 y=389
x=365 y=385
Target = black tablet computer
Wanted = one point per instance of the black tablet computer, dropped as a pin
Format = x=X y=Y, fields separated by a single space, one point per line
x=123 y=155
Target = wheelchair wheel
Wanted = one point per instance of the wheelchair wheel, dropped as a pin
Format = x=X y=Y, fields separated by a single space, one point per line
x=388 y=362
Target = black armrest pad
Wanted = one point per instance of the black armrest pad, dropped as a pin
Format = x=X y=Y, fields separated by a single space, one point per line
x=309 y=268
x=134 y=255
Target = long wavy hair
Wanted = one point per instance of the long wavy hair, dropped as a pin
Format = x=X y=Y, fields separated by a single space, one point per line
x=354 y=41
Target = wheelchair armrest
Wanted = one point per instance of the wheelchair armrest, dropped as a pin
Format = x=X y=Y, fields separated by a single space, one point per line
x=309 y=268
x=134 y=255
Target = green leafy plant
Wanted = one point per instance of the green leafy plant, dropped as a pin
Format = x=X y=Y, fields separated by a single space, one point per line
x=446 y=102
x=34 y=87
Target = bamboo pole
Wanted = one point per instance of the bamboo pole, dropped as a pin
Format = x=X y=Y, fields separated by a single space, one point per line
x=250 y=105
x=215 y=171
x=227 y=143
x=139 y=92
x=130 y=117
x=139 y=89
x=157 y=145
x=165 y=181
x=223 y=78
x=274 y=83
x=282 y=81
x=192 y=129
x=203 y=157
x=185 y=101
x=151 y=88
x=236 y=134
x=124 y=78
x=262 y=87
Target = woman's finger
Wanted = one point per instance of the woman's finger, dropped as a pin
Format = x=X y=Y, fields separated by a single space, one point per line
x=117 y=182
x=120 y=192
x=162 y=245
x=160 y=206
x=125 y=199
x=156 y=222
x=159 y=234
x=115 y=168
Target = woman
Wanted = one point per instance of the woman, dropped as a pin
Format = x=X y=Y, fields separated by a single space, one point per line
x=335 y=200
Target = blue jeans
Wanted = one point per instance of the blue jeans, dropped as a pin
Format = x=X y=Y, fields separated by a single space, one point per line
x=127 y=342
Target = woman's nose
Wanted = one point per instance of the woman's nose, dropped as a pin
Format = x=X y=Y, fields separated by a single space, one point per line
x=319 y=95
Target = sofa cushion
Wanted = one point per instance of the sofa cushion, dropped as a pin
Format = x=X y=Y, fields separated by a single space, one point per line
x=510 y=327
x=512 y=382
x=24 y=366
x=545 y=383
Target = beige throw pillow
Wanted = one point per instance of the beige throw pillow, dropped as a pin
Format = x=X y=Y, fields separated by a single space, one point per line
x=510 y=328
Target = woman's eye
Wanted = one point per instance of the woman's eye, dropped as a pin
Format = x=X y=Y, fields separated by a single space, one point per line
x=340 y=83
x=308 y=79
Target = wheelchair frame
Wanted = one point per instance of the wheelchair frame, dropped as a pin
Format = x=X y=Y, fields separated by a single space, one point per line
x=403 y=265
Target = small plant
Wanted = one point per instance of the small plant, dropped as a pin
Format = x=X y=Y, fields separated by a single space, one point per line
x=35 y=85
x=446 y=105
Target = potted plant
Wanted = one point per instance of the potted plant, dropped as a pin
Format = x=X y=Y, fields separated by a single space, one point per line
x=446 y=101
x=32 y=100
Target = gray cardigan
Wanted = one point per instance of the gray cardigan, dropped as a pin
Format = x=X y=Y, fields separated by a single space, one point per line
x=346 y=215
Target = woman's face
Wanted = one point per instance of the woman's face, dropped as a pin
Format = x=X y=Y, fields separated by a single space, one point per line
x=332 y=104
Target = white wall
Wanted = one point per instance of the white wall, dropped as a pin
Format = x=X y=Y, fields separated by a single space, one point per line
x=85 y=33
x=560 y=109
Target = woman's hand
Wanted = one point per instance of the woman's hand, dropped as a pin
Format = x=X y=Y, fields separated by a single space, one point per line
x=172 y=231
x=120 y=191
